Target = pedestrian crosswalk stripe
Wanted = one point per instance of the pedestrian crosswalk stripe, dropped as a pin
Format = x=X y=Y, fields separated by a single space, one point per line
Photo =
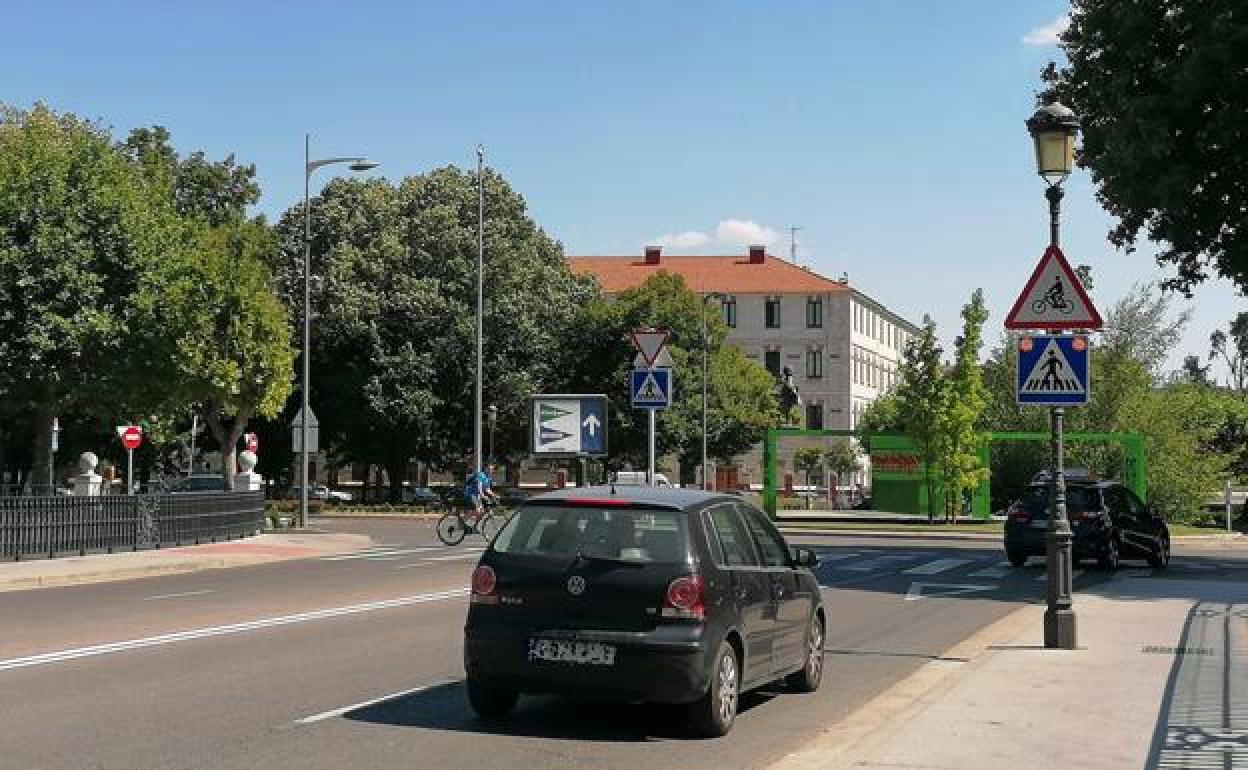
x=998 y=570
x=380 y=553
x=878 y=562
x=934 y=567
x=456 y=557
x=1074 y=573
x=825 y=558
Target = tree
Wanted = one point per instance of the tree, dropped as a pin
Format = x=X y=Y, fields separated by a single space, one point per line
x=808 y=460
x=961 y=417
x=1162 y=126
x=80 y=227
x=1142 y=327
x=922 y=399
x=1233 y=350
x=843 y=460
x=1192 y=372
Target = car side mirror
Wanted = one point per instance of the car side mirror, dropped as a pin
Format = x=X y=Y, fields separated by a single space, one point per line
x=804 y=557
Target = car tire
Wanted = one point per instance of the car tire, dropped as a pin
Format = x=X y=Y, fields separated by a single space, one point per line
x=491 y=702
x=712 y=715
x=1108 y=560
x=807 y=679
x=1160 y=559
x=1016 y=558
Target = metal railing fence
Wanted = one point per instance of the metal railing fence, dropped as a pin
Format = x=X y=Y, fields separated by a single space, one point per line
x=61 y=526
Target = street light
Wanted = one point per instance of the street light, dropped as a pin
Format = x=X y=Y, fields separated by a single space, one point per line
x=493 y=418
x=309 y=165
x=476 y=411
x=706 y=297
x=1053 y=128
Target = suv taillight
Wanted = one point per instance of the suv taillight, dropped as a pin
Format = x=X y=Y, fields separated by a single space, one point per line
x=1019 y=513
x=484 y=581
x=685 y=598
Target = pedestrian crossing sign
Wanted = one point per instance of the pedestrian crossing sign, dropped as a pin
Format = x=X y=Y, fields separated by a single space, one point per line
x=651 y=388
x=1053 y=370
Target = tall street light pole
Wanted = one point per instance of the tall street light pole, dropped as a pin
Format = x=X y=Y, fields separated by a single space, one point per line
x=309 y=165
x=705 y=344
x=1053 y=128
x=476 y=414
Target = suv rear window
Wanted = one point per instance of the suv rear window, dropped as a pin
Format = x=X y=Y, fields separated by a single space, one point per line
x=641 y=536
x=1078 y=499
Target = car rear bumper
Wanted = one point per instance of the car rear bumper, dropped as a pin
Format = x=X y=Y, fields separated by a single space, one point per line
x=1087 y=543
x=667 y=665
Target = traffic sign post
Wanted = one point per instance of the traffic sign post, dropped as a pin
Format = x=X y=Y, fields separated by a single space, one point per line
x=131 y=438
x=1053 y=370
x=650 y=387
x=569 y=425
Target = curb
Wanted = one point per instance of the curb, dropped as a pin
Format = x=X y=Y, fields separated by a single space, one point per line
x=378 y=515
x=105 y=576
x=788 y=531
x=891 y=709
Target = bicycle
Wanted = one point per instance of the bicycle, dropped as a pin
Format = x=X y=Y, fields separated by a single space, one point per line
x=460 y=521
x=1061 y=304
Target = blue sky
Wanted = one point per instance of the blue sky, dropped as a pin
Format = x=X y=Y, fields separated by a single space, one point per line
x=892 y=133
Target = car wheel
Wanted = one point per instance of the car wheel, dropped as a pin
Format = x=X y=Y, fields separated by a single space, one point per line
x=712 y=715
x=1161 y=557
x=491 y=701
x=1016 y=558
x=807 y=680
x=1108 y=561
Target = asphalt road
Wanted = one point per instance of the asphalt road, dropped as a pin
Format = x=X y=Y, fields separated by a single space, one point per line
x=356 y=662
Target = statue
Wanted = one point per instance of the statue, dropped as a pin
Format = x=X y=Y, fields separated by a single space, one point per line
x=87 y=483
x=788 y=395
x=248 y=480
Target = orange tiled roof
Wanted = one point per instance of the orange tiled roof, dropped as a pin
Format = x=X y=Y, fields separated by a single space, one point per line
x=727 y=274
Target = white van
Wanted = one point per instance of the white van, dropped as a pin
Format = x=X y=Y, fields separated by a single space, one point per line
x=638 y=479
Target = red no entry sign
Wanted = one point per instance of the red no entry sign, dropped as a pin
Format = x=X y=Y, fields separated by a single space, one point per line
x=131 y=436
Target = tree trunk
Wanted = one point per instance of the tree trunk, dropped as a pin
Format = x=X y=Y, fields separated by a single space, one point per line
x=40 y=466
x=227 y=439
x=397 y=471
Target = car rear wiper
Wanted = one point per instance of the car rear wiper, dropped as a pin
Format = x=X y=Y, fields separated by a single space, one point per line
x=583 y=557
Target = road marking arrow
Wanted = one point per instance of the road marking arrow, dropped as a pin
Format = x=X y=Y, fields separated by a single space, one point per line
x=942 y=590
x=591 y=422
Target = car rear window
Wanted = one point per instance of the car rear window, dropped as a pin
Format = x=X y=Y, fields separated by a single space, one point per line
x=642 y=536
x=1078 y=499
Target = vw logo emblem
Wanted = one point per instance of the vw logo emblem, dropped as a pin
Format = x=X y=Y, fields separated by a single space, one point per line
x=576 y=585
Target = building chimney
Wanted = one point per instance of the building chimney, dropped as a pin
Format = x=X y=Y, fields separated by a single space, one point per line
x=652 y=255
x=758 y=255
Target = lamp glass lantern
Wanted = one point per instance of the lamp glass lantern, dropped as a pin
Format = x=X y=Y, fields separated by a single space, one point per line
x=1053 y=128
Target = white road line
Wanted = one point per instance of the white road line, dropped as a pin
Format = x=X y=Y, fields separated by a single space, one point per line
x=998 y=570
x=877 y=562
x=380 y=554
x=61 y=656
x=1074 y=573
x=373 y=702
x=934 y=567
x=178 y=595
x=455 y=557
x=828 y=558
x=415 y=564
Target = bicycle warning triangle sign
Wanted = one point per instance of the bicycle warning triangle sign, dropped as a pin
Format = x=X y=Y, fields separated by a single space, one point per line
x=1053 y=298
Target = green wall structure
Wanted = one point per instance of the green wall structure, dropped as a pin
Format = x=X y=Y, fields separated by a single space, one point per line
x=897 y=483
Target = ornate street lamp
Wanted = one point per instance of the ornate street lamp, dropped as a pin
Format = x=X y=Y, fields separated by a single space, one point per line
x=1053 y=128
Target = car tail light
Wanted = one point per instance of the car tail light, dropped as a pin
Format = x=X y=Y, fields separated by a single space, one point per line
x=685 y=598
x=484 y=581
x=1019 y=514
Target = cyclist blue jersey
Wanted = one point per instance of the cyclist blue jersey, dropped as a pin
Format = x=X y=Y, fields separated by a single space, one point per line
x=475 y=486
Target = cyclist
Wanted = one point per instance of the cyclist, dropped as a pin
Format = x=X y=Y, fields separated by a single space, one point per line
x=477 y=489
x=1056 y=295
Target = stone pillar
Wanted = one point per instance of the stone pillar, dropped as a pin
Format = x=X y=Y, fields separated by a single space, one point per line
x=87 y=482
x=247 y=480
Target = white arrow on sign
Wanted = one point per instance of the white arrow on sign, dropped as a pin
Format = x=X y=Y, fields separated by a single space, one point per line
x=591 y=422
x=916 y=591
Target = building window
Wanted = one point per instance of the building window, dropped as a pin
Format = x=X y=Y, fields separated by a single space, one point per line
x=772 y=312
x=729 y=306
x=814 y=364
x=814 y=416
x=771 y=359
x=814 y=312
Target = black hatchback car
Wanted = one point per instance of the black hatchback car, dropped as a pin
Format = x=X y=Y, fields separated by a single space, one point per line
x=642 y=594
x=1109 y=523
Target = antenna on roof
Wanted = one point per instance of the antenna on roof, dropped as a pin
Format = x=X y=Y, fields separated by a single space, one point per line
x=793 y=244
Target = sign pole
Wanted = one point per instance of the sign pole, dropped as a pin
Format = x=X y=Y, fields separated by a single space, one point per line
x=650 y=465
x=129 y=471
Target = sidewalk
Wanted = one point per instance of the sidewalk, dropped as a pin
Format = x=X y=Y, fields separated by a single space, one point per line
x=1160 y=679
x=98 y=568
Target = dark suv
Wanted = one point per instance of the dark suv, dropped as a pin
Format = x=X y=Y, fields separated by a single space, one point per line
x=1109 y=523
x=642 y=594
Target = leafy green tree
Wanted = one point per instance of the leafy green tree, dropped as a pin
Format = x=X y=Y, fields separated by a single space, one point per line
x=922 y=402
x=962 y=415
x=1162 y=126
x=1232 y=349
x=843 y=459
x=214 y=192
x=1143 y=327
x=808 y=460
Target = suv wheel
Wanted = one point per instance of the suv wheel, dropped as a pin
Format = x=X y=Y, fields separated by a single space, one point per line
x=1109 y=560
x=1160 y=559
x=807 y=680
x=712 y=715
x=1016 y=558
x=491 y=701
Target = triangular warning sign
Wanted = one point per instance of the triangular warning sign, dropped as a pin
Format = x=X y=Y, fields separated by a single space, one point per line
x=1052 y=374
x=1053 y=298
x=649 y=342
x=649 y=390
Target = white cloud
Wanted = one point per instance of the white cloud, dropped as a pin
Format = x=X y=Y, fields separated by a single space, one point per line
x=744 y=231
x=729 y=235
x=689 y=239
x=1049 y=34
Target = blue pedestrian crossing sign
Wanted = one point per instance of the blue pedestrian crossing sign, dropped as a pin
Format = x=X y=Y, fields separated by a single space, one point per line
x=1053 y=370
x=569 y=425
x=651 y=388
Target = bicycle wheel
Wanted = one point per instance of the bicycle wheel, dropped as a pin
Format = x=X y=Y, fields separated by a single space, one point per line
x=1066 y=307
x=452 y=529
x=1039 y=305
x=489 y=526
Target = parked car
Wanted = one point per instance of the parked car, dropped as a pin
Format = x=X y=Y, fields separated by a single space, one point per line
x=322 y=492
x=421 y=496
x=1109 y=523
x=512 y=496
x=642 y=594
x=198 y=482
x=638 y=478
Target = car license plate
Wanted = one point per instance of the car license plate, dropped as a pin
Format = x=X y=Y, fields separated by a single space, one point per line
x=1042 y=524
x=568 y=651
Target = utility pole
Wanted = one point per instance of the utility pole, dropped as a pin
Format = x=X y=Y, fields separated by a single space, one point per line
x=476 y=415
